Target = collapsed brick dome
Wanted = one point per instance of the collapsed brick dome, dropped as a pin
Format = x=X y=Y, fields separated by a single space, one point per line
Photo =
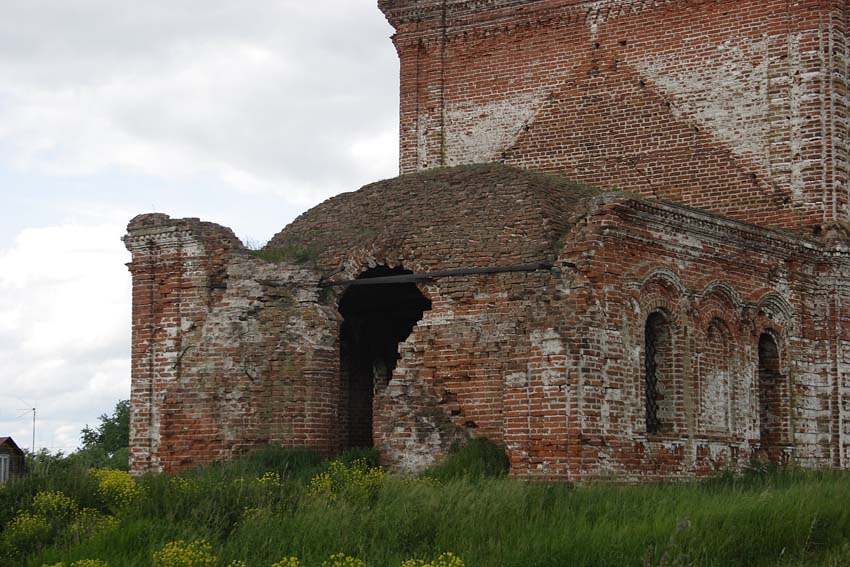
x=465 y=216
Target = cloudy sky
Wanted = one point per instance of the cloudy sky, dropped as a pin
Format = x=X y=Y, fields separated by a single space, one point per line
x=241 y=113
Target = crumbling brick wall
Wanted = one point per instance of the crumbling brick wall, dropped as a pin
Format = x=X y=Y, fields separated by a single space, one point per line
x=233 y=351
x=229 y=351
x=449 y=383
x=737 y=107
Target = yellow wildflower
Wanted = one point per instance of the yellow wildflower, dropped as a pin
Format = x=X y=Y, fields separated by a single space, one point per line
x=25 y=531
x=117 y=488
x=54 y=505
x=343 y=560
x=89 y=522
x=182 y=485
x=357 y=481
x=181 y=553
x=447 y=559
x=271 y=479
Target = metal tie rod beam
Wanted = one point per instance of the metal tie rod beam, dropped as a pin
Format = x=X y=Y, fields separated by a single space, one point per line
x=427 y=276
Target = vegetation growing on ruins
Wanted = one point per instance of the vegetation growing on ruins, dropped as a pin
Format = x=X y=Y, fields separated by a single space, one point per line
x=292 y=252
x=290 y=508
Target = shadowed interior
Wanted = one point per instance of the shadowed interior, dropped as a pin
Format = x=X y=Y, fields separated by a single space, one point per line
x=376 y=318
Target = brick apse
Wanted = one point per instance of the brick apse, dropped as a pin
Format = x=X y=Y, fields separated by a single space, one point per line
x=618 y=248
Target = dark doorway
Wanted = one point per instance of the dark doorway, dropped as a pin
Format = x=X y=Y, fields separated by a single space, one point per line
x=376 y=318
x=773 y=399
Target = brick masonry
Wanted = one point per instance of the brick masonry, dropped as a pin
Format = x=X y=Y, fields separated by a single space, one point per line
x=678 y=331
x=733 y=106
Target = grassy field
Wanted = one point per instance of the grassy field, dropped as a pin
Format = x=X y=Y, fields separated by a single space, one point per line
x=279 y=504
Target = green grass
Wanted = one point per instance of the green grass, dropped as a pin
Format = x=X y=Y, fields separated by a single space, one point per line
x=478 y=458
x=293 y=253
x=770 y=517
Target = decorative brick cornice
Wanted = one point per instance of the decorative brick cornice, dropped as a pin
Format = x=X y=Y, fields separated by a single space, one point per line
x=411 y=11
x=156 y=229
x=405 y=12
x=141 y=243
x=717 y=227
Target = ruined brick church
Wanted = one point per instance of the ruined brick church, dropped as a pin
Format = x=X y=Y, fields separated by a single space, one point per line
x=618 y=248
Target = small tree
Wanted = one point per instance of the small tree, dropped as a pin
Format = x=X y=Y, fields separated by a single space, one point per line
x=108 y=444
x=113 y=433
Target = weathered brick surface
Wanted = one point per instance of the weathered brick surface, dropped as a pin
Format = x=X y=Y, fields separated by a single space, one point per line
x=228 y=351
x=738 y=107
x=551 y=363
x=722 y=286
x=667 y=341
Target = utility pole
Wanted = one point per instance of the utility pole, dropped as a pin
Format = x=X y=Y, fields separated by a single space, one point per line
x=26 y=411
x=33 y=432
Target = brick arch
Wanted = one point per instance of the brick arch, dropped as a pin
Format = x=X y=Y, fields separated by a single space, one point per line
x=719 y=301
x=660 y=385
x=360 y=261
x=661 y=290
x=724 y=291
x=655 y=304
x=665 y=278
x=660 y=382
x=773 y=310
x=773 y=388
x=779 y=337
x=711 y=310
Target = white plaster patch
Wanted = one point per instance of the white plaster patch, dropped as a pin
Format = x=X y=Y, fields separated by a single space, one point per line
x=727 y=98
x=422 y=129
x=437 y=317
x=312 y=336
x=595 y=18
x=715 y=402
x=477 y=133
x=797 y=121
x=549 y=342
x=418 y=454
x=516 y=380
x=551 y=378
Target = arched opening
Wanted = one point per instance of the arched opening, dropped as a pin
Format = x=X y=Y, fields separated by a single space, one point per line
x=773 y=399
x=658 y=360
x=376 y=318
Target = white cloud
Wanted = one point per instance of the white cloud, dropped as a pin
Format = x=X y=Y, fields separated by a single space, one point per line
x=64 y=329
x=108 y=107
x=269 y=96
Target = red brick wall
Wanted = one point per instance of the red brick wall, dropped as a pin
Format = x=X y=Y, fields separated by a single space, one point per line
x=231 y=351
x=481 y=331
x=723 y=285
x=734 y=106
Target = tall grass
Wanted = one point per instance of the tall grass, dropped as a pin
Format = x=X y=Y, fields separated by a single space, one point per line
x=772 y=517
x=478 y=458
